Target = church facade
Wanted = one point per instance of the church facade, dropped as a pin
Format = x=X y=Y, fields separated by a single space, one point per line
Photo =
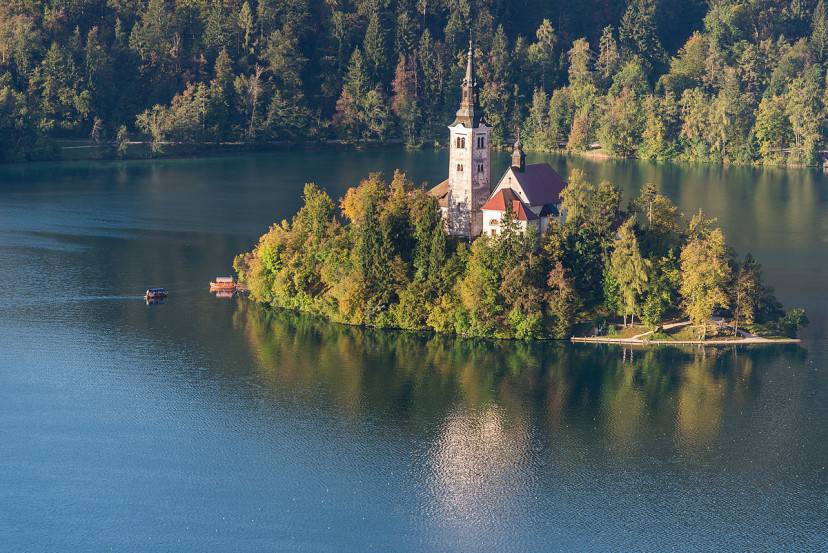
x=469 y=205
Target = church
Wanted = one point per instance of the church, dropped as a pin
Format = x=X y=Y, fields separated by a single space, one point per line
x=469 y=205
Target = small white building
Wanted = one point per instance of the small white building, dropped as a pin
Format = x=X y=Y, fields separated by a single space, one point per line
x=533 y=192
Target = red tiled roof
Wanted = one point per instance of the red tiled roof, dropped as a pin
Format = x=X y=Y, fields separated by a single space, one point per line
x=498 y=201
x=522 y=213
x=505 y=197
x=541 y=184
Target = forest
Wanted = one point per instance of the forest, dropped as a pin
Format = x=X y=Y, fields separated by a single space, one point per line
x=731 y=81
x=382 y=258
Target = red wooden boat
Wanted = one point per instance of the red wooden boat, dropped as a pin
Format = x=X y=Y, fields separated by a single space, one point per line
x=223 y=284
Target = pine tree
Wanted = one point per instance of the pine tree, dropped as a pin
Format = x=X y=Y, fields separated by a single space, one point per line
x=404 y=103
x=662 y=290
x=580 y=63
x=608 y=56
x=406 y=32
x=496 y=96
x=247 y=26
x=285 y=60
x=639 y=36
x=287 y=117
x=375 y=49
x=431 y=85
x=542 y=52
x=55 y=84
x=746 y=294
x=819 y=32
x=350 y=106
x=536 y=127
x=561 y=114
x=220 y=27
x=561 y=301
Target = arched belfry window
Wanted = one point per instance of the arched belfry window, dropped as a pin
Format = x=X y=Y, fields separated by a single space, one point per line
x=460 y=167
x=481 y=142
x=463 y=143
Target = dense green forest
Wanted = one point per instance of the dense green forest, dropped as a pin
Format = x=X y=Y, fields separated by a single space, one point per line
x=383 y=259
x=723 y=80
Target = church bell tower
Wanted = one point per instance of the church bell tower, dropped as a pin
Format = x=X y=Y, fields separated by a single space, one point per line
x=469 y=161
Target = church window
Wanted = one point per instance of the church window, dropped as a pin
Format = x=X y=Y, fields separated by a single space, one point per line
x=481 y=141
x=460 y=167
x=461 y=142
x=479 y=167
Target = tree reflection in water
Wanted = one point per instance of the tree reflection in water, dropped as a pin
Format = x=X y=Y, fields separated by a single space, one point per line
x=551 y=385
x=488 y=419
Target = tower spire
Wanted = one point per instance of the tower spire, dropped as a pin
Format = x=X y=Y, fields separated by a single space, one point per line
x=469 y=113
x=518 y=156
x=470 y=65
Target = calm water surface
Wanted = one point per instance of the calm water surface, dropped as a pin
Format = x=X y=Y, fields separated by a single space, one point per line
x=213 y=425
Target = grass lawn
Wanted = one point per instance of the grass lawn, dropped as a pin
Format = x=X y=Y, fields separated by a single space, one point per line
x=683 y=333
x=629 y=332
x=689 y=332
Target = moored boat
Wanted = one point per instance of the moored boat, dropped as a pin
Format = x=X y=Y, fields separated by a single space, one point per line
x=223 y=284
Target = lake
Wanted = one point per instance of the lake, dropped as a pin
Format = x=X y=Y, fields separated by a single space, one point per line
x=215 y=425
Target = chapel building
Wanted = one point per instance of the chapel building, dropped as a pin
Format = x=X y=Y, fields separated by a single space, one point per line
x=469 y=205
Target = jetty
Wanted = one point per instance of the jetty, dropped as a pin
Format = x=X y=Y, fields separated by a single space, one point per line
x=648 y=338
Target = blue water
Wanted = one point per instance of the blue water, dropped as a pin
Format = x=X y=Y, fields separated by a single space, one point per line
x=213 y=425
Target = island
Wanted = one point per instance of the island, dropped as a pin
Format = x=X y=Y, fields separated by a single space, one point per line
x=534 y=257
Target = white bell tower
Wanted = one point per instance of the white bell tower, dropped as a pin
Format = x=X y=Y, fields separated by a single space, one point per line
x=469 y=174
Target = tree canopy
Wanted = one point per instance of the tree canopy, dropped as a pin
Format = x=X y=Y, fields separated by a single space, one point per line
x=737 y=81
x=382 y=258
